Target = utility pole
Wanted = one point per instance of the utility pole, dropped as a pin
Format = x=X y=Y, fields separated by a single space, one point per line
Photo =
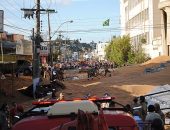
x=36 y=52
x=36 y=61
x=49 y=35
x=60 y=43
x=49 y=38
x=36 y=43
x=2 y=53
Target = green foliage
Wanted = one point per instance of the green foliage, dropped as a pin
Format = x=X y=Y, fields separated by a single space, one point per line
x=143 y=40
x=137 y=57
x=121 y=52
x=118 y=49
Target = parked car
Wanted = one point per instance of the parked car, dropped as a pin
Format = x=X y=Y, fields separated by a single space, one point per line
x=23 y=66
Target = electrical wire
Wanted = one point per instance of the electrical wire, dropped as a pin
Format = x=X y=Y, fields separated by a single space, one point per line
x=18 y=28
x=19 y=5
x=159 y=26
x=20 y=31
x=8 y=10
x=48 y=4
x=11 y=11
x=10 y=4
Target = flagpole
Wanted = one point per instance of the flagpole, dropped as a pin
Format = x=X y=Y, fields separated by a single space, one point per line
x=110 y=35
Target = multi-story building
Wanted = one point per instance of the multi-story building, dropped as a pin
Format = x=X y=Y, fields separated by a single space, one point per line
x=164 y=6
x=140 y=19
x=100 y=53
x=15 y=37
x=14 y=47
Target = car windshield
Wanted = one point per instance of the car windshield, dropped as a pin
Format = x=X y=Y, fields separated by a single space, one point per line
x=41 y=109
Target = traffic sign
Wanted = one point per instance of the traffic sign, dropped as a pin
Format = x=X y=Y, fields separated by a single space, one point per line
x=44 y=49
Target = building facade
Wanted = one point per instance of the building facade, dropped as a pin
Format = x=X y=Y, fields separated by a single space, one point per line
x=14 y=47
x=100 y=53
x=140 y=19
x=164 y=6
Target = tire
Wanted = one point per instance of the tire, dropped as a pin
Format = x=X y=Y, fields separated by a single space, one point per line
x=27 y=72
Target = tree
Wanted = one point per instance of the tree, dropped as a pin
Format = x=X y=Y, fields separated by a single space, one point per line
x=118 y=50
x=121 y=52
x=137 y=56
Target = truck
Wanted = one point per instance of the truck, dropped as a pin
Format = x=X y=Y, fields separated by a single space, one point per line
x=51 y=115
x=20 y=66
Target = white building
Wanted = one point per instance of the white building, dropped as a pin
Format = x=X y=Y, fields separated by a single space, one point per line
x=75 y=56
x=100 y=51
x=164 y=6
x=88 y=55
x=141 y=20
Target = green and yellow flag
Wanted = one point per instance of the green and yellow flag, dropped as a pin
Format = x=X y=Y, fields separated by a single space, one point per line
x=106 y=23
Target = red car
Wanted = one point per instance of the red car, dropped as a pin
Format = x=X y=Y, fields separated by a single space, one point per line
x=106 y=120
x=66 y=111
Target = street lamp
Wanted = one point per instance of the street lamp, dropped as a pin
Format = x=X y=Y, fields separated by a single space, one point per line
x=51 y=52
x=71 y=21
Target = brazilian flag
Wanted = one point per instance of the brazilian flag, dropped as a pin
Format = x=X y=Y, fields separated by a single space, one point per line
x=106 y=23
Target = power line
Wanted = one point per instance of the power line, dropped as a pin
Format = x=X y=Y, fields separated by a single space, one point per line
x=16 y=3
x=11 y=5
x=116 y=29
x=48 y=4
x=159 y=26
x=90 y=21
x=18 y=28
x=11 y=11
x=8 y=10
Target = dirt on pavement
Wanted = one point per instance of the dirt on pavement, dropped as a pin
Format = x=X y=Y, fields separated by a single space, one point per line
x=125 y=83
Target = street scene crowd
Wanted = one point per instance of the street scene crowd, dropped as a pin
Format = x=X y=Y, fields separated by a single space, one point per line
x=92 y=68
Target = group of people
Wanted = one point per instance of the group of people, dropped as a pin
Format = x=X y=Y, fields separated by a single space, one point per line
x=57 y=71
x=54 y=72
x=93 y=71
x=8 y=115
x=146 y=114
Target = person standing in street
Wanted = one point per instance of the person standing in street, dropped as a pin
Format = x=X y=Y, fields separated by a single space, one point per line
x=154 y=118
x=106 y=70
x=158 y=110
x=143 y=104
